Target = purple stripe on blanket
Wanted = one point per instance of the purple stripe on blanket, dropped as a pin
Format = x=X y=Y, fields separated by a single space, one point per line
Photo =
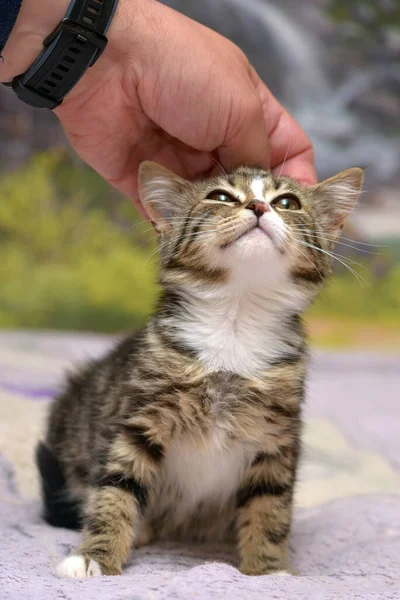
x=33 y=393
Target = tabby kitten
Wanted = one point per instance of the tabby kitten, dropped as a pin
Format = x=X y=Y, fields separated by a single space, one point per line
x=190 y=429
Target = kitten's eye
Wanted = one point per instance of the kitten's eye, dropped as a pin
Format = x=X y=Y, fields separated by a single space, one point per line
x=221 y=196
x=288 y=202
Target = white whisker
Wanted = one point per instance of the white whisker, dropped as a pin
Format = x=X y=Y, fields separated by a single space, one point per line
x=287 y=151
x=221 y=168
x=177 y=237
x=350 y=260
x=336 y=257
x=333 y=240
x=341 y=237
x=311 y=262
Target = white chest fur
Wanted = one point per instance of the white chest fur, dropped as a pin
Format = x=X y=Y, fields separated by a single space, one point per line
x=236 y=330
x=210 y=471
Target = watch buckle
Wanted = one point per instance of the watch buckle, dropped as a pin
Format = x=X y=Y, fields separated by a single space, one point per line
x=84 y=33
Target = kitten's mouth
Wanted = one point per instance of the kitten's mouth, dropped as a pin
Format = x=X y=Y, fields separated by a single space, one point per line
x=256 y=231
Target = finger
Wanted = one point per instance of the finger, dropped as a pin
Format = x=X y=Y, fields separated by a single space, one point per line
x=290 y=149
x=292 y=153
x=299 y=167
x=246 y=140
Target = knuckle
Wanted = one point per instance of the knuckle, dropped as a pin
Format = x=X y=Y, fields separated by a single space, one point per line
x=249 y=110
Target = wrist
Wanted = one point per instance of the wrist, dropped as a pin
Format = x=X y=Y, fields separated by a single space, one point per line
x=128 y=37
x=36 y=19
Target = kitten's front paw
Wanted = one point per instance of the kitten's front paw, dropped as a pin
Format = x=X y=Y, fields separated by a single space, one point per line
x=257 y=568
x=76 y=567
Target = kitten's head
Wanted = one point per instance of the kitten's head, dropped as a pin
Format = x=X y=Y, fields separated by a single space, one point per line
x=248 y=223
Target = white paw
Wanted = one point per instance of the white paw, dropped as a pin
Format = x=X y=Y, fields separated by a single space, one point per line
x=282 y=573
x=75 y=568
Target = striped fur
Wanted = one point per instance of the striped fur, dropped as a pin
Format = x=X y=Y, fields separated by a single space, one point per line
x=190 y=429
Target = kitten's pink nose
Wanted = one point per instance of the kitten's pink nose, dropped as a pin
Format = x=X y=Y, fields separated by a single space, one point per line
x=258 y=207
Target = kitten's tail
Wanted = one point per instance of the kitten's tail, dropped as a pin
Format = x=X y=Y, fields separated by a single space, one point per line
x=59 y=511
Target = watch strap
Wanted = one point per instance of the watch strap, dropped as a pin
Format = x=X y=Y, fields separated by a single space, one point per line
x=69 y=51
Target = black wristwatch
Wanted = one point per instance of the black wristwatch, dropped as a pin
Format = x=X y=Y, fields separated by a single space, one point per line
x=69 y=51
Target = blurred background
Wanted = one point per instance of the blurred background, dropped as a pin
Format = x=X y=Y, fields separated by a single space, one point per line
x=75 y=255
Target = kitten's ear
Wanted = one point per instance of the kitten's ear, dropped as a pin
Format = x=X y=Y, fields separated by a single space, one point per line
x=336 y=197
x=160 y=193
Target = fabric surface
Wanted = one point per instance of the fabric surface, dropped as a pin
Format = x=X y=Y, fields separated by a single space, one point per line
x=346 y=534
x=9 y=10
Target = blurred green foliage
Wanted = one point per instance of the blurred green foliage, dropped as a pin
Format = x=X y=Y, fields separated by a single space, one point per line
x=374 y=300
x=369 y=19
x=71 y=257
x=75 y=255
x=369 y=12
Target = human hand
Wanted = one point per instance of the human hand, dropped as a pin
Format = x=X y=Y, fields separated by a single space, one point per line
x=166 y=89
